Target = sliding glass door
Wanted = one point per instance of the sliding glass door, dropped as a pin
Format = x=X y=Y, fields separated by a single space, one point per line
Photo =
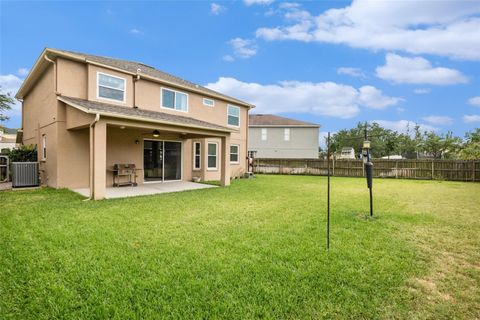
x=162 y=160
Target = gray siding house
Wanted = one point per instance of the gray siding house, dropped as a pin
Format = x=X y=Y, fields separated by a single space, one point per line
x=271 y=136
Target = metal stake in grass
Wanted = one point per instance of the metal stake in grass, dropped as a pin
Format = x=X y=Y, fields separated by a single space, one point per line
x=328 y=191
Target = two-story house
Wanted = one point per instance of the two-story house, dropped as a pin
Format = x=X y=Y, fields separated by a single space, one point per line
x=86 y=113
x=272 y=136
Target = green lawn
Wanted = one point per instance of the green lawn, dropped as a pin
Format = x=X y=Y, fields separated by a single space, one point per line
x=253 y=250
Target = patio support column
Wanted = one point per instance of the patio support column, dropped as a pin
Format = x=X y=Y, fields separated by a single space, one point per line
x=99 y=160
x=225 y=162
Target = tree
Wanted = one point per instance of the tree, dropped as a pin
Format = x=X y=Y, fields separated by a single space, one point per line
x=6 y=103
x=471 y=148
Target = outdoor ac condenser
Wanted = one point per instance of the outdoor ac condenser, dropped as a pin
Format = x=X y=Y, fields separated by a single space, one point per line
x=24 y=174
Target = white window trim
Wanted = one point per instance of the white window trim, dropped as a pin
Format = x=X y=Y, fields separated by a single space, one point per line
x=216 y=157
x=108 y=99
x=175 y=91
x=194 y=155
x=238 y=154
x=44 y=147
x=285 y=135
x=239 y=111
x=262 y=130
x=208 y=105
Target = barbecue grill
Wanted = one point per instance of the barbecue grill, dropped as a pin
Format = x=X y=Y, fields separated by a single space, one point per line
x=124 y=174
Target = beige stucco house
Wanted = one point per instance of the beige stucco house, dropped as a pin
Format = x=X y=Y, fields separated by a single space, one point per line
x=86 y=113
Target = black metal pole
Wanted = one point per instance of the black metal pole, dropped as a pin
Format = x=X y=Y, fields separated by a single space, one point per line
x=328 y=192
x=371 y=203
x=371 y=184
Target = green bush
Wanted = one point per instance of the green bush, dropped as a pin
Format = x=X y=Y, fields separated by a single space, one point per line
x=26 y=153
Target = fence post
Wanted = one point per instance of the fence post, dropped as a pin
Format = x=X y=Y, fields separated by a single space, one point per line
x=433 y=170
x=396 y=169
x=333 y=169
x=473 y=171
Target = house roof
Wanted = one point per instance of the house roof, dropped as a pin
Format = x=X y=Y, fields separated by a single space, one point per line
x=115 y=111
x=8 y=130
x=262 y=120
x=132 y=67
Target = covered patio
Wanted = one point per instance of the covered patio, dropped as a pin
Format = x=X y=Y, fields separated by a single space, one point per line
x=159 y=145
x=147 y=189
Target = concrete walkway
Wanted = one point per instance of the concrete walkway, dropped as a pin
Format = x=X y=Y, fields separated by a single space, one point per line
x=147 y=189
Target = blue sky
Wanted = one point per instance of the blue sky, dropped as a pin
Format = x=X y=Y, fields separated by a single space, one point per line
x=330 y=62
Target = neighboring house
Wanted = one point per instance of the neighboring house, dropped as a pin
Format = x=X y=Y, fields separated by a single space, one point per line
x=271 y=136
x=86 y=113
x=8 y=138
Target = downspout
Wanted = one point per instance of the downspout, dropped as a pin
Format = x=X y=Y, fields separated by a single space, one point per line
x=135 y=79
x=54 y=72
x=92 y=155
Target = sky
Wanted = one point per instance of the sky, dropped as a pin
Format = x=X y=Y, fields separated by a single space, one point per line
x=335 y=63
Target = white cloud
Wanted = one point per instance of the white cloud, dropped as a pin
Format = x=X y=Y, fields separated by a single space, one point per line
x=323 y=98
x=134 y=31
x=438 y=120
x=445 y=28
x=400 y=110
x=10 y=83
x=402 y=126
x=354 y=72
x=261 y=2
x=216 y=8
x=373 y=98
x=422 y=90
x=471 y=118
x=243 y=48
x=23 y=72
x=228 y=58
x=475 y=101
x=417 y=70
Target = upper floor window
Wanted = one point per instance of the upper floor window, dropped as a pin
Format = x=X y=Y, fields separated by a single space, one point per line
x=208 y=102
x=264 y=134
x=110 y=87
x=174 y=100
x=233 y=116
x=286 y=134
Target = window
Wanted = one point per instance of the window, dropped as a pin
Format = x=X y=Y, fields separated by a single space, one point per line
x=44 y=146
x=212 y=155
x=233 y=116
x=208 y=102
x=174 y=100
x=264 y=134
x=234 y=150
x=110 y=87
x=286 y=134
x=196 y=156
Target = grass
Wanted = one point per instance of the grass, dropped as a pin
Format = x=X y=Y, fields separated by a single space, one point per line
x=253 y=250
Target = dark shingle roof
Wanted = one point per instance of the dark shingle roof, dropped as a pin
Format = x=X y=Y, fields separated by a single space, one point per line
x=141 y=115
x=132 y=66
x=273 y=120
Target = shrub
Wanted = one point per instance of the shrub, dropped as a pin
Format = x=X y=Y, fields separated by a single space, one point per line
x=26 y=153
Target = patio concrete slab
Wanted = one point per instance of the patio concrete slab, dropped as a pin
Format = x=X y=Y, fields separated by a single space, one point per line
x=147 y=189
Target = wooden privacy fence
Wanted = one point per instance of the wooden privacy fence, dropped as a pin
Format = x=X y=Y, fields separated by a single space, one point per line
x=455 y=170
